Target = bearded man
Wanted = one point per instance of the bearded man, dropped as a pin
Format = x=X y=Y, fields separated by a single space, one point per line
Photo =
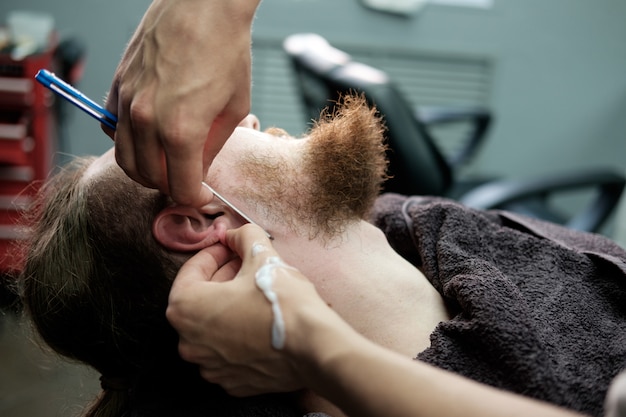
x=424 y=277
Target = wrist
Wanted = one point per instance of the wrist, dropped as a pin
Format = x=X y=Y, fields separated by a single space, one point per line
x=316 y=339
x=239 y=10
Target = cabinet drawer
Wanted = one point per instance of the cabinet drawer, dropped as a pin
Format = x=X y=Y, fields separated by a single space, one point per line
x=16 y=180
x=8 y=232
x=11 y=245
x=17 y=92
x=13 y=208
x=16 y=144
x=12 y=230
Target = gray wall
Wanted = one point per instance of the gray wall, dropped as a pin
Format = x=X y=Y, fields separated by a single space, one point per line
x=557 y=87
x=559 y=84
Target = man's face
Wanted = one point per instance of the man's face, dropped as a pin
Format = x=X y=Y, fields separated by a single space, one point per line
x=308 y=185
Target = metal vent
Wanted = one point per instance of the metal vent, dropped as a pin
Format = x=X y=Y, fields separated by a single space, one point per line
x=275 y=98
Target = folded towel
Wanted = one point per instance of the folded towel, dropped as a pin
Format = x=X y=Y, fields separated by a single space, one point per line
x=538 y=309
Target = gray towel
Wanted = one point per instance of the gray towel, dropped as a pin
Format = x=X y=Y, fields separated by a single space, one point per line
x=537 y=309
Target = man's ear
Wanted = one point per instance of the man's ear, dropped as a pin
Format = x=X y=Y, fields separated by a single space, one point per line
x=184 y=229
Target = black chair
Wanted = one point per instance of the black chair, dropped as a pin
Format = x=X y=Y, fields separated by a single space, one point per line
x=417 y=166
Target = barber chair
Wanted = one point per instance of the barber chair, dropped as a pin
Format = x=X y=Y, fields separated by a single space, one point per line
x=417 y=165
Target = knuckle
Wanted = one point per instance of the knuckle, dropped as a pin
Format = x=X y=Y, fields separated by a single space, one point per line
x=126 y=162
x=182 y=197
x=186 y=352
x=108 y=131
x=209 y=375
x=141 y=114
x=125 y=94
x=149 y=178
x=122 y=157
x=177 y=134
x=172 y=314
x=236 y=113
x=177 y=311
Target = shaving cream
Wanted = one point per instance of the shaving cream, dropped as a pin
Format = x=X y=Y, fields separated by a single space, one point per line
x=264 y=278
x=258 y=248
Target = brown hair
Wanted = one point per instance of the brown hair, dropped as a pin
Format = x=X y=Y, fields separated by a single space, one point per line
x=94 y=281
x=351 y=128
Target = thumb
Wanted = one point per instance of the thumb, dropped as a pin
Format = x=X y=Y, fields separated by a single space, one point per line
x=252 y=245
x=189 y=289
x=203 y=266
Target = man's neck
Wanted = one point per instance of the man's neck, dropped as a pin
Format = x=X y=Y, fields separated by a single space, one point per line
x=373 y=288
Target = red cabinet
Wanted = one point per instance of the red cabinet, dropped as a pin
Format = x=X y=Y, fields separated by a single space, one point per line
x=27 y=145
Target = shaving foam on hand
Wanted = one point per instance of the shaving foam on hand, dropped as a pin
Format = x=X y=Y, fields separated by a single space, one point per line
x=264 y=280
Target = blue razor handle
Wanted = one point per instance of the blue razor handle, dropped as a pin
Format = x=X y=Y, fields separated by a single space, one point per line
x=71 y=94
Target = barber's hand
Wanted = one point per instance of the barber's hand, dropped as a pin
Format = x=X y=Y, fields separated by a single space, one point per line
x=179 y=91
x=225 y=327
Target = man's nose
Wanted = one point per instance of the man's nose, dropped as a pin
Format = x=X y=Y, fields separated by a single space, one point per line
x=251 y=121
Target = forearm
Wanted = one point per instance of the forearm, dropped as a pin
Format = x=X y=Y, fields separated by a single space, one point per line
x=367 y=380
x=232 y=345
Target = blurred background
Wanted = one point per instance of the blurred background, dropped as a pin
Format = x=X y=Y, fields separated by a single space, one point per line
x=552 y=74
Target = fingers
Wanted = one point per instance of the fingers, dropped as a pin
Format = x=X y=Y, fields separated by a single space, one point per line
x=186 y=168
x=177 y=103
x=171 y=146
x=203 y=266
x=110 y=103
x=227 y=329
x=142 y=134
x=125 y=152
x=128 y=135
x=253 y=246
x=190 y=152
x=163 y=149
x=186 y=296
x=248 y=241
x=108 y=131
x=223 y=126
x=169 y=160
